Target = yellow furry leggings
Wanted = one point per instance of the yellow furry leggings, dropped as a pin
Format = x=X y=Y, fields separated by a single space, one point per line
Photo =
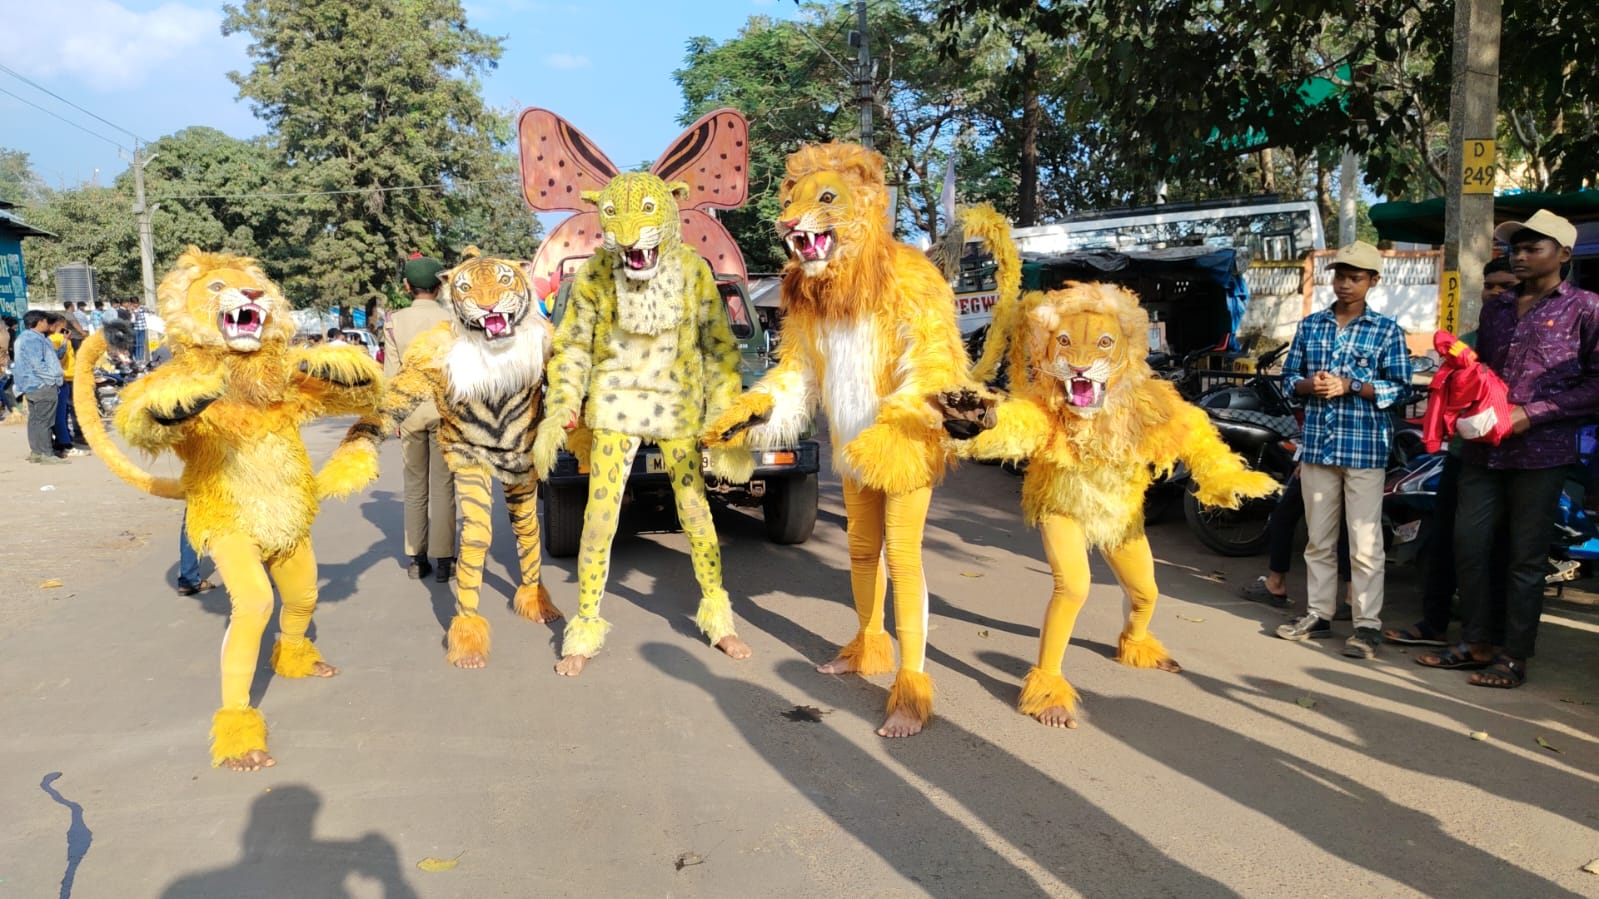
x=1067 y=550
x=239 y=562
x=474 y=492
x=884 y=527
x=610 y=460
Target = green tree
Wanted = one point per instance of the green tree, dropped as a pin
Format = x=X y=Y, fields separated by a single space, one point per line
x=94 y=225
x=366 y=101
x=19 y=183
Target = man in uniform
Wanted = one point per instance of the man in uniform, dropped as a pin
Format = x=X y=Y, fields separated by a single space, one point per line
x=429 y=486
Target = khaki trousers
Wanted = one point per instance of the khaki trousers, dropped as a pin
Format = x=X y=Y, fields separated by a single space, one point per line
x=1354 y=495
x=429 y=494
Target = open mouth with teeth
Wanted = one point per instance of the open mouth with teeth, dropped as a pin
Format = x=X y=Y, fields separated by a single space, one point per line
x=811 y=246
x=495 y=325
x=640 y=260
x=1084 y=394
x=244 y=321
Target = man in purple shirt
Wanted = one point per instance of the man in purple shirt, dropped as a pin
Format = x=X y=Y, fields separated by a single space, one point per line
x=1542 y=338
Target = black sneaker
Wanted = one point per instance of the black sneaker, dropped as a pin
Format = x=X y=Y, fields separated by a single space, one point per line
x=420 y=568
x=1362 y=644
x=445 y=571
x=1305 y=628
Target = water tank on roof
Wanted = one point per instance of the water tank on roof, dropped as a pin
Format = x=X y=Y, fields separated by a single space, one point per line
x=75 y=283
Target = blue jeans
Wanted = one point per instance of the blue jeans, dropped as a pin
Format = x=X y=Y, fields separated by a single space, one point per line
x=188 y=559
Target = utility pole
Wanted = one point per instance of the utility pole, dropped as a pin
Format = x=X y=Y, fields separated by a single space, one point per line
x=863 y=73
x=1468 y=197
x=1348 y=194
x=143 y=210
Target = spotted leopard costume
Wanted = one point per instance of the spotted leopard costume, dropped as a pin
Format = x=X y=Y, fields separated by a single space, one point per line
x=645 y=353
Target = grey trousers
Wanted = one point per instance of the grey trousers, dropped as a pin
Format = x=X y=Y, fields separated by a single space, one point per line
x=429 y=495
x=42 y=418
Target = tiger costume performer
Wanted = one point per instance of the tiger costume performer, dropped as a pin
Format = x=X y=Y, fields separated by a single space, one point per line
x=1095 y=426
x=868 y=333
x=645 y=352
x=485 y=372
x=230 y=404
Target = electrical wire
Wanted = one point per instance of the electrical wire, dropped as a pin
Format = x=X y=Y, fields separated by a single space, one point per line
x=63 y=118
x=438 y=185
x=25 y=80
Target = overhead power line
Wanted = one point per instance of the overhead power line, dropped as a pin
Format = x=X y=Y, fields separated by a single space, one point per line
x=63 y=118
x=28 y=81
x=437 y=185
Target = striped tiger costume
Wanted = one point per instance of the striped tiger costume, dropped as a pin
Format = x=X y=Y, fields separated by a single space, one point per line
x=485 y=372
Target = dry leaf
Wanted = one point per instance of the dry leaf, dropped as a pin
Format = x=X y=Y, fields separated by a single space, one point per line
x=1215 y=577
x=439 y=864
x=1305 y=702
x=51 y=583
x=1479 y=735
x=971 y=574
x=1547 y=745
x=1576 y=701
x=983 y=634
x=1194 y=620
x=1592 y=867
x=688 y=859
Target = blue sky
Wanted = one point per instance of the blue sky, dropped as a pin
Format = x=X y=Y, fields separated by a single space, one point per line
x=157 y=67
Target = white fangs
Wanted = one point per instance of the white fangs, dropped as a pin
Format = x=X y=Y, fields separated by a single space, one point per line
x=243 y=321
x=811 y=246
x=495 y=325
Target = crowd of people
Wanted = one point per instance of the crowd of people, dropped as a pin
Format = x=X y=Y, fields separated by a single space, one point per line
x=1498 y=498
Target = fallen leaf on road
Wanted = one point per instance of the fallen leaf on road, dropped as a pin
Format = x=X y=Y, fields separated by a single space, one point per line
x=1479 y=735
x=804 y=713
x=1215 y=577
x=1305 y=702
x=439 y=864
x=983 y=634
x=1577 y=701
x=51 y=583
x=1547 y=745
x=1194 y=620
x=1592 y=867
x=688 y=860
x=971 y=574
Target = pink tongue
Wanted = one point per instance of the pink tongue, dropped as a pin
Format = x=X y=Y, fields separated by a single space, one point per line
x=494 y=324
x=1082 y=392
x=637 y=259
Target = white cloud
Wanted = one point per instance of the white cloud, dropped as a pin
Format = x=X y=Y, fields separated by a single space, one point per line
x=567 y=61
x=103 y=43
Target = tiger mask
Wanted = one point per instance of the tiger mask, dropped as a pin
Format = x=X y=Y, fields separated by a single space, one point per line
x=489 y=296
x=639 y=219
x=1083 y=337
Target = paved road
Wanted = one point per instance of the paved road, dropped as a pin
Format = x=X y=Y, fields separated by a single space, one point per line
x=1268 y=769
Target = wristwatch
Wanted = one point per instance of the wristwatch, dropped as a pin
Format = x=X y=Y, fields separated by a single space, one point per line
x=1356 y=385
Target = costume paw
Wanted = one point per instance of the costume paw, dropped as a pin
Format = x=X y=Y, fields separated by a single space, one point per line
x=749 y=410
x=350 y=468
x=1229 y=490
x=965 y=412
x=715 y=617
x=236 y=733
x=912 y=692
x=733 y=464
x=341 y=366
x=1042 y=690
x=885 y=458
x=294 y=658
x=468 y=636
x=869 y=653
x=548 y=441
x=584 y=636
x=175 y=402
x=533 y=603
x=1141 y=652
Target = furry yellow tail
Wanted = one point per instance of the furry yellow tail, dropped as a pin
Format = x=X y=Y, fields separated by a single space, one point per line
x=985 y=222
x=88 y=409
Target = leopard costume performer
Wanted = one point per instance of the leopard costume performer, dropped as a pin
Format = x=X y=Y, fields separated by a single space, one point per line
x=1094 y=426
x=485 y=373
x=869 y=331
x=644 y=353
x=230 y=405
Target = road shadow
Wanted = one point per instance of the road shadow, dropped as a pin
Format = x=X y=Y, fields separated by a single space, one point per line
x=279 y=856
x=906 y=829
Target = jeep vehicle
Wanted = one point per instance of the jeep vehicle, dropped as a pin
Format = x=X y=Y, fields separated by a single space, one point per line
x=784 y=484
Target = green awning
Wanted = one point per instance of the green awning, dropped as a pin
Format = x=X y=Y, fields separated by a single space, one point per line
x=1424 y=222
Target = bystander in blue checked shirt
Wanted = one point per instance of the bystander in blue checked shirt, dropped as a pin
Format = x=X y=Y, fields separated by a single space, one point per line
x=1349 y=431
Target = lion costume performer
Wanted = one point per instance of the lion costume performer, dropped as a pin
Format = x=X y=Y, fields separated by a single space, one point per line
x=485 y=373
x=869 y=332
x=1095 y=427
x=644 y=352
x=230 y=405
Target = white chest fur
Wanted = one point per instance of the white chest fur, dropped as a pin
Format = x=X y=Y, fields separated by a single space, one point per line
x=483 y=370
x=849 y=381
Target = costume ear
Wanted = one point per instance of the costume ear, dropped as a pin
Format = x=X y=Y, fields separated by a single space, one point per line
x=558 y=162
x=712 y=159
x=679 y=190
x=591 y=197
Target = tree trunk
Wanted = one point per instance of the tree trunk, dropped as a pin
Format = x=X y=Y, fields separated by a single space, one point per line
x=1027 y=206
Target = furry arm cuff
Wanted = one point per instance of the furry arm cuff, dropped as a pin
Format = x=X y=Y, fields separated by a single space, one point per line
x=336 y=380
x=1023 y=428
x=158 y=409
x=1223 y=478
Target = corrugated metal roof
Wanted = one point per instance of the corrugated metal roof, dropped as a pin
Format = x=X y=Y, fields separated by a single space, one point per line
x=9 y=221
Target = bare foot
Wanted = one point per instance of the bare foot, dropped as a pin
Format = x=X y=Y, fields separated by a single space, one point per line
x=571 y=666
x=254 y=760
x=900 y=723
x=1056 y=716
x=1167 y=665
x=839 y=665
x=734 y=647
x=472 y=660
x=323 y=669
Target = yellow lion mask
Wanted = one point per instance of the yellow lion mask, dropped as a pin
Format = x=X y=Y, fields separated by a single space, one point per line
x=222 y=301
x=1088 y=339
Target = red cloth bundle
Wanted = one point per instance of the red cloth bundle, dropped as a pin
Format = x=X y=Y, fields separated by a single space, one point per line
x=1465 y=397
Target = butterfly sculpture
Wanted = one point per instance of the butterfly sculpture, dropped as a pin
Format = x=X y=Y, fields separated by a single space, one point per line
x=559 y=162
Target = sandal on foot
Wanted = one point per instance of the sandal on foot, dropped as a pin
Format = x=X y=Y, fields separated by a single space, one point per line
x=191 y=589
x=1505 y=674
x=1257 y=591
x=1455 y=658
x=1417 y=634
